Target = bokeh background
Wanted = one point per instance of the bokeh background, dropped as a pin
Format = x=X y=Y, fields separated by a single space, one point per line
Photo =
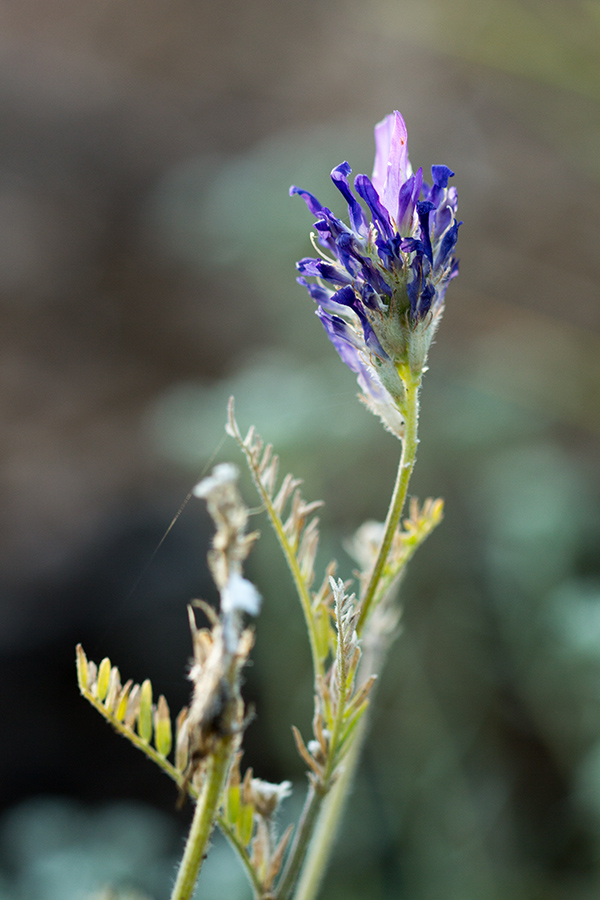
x=147 y=245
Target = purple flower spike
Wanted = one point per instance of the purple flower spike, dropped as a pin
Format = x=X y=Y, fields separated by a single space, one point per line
x=381 y=285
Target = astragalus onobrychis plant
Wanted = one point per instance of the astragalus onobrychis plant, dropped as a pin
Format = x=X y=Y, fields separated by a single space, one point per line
x=379 y=281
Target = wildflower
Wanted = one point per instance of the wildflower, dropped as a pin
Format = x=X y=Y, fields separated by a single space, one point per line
x=381 y=283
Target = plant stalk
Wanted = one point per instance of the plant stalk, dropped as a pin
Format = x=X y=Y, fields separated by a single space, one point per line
x=410 y=411
x=303 y=836
x=329 y=813
x=321 y=845
x=203 y=822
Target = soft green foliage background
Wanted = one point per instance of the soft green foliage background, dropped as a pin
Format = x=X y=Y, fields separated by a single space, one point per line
x=482 y=777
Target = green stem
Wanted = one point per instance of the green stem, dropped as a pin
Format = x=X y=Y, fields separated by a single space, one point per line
x=327 y=825
x=204 y=820
x=302 y=839
x=312 y=807
x=326 y=816
x=410 y=411
x=321 y=844
x=318 y=791
x=316 y=832
x=325 y=832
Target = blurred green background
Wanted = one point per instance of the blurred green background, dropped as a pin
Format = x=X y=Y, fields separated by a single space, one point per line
x=147 y=272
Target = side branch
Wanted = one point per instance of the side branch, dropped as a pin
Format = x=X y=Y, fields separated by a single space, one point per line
x=264 y=480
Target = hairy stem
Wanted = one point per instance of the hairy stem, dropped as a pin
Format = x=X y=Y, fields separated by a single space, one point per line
x=334 y=803
x=312 y=808
x=325 y=832
x=179 y=779
x=204 y=820
x=302 y=839
x=326 y=822
x=410 y=411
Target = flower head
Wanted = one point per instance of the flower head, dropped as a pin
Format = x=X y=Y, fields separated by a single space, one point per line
x=380 y=281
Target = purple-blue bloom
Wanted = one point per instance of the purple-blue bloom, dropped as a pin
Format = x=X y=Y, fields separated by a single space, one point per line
x=380 y=281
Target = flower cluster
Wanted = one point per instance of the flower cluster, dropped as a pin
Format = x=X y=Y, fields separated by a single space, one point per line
x=381 y=284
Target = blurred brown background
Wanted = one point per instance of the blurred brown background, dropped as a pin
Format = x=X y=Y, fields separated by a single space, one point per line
x=147 y=248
